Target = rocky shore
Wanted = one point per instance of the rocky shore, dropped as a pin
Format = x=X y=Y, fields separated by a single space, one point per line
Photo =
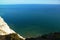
x=50 y=36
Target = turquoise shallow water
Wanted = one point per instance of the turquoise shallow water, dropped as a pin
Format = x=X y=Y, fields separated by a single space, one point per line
x=32 y=19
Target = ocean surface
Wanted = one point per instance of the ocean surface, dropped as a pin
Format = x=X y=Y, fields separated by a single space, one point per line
x=31 y=20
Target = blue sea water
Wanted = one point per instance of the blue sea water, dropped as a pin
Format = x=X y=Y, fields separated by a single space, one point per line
x=32 y=19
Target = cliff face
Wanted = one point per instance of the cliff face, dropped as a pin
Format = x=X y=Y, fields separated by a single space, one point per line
x=4 y=28
x=7 y=32
x=12 y=36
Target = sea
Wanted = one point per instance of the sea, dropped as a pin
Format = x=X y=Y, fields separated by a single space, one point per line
x=31 y=20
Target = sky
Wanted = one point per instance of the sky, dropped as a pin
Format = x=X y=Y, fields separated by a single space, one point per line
x=29 y=1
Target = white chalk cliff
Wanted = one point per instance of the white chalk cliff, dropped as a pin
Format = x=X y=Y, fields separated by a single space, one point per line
x=5 y=29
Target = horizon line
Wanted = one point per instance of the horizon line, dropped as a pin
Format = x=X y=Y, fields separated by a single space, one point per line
x=20 y=4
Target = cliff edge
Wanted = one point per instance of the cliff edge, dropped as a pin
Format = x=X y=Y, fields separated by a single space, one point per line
x=6 y=31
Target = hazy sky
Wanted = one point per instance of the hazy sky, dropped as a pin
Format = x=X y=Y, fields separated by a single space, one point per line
x=29 y=1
